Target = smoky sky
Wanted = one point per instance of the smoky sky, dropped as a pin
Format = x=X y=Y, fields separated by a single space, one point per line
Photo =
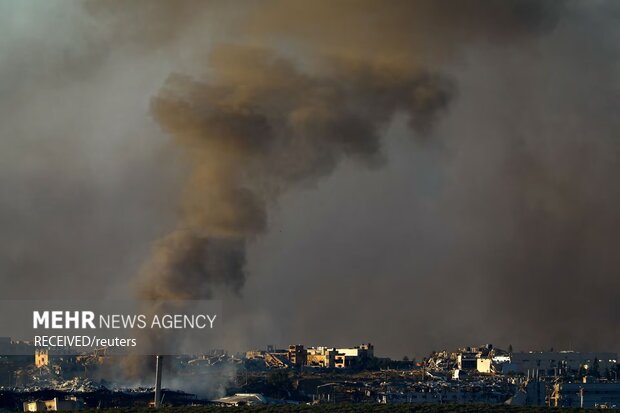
x=416 y=174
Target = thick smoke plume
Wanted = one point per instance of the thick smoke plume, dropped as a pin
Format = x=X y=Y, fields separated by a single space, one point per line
x=298 y=88
x=257 y=127
x=258 y=124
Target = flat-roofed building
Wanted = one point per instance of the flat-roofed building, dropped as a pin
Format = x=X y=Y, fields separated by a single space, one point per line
x=586 y=395
x=555 y=362
x=297 y=355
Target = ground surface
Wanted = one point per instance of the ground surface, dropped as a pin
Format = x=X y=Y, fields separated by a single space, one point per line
x=355 y=408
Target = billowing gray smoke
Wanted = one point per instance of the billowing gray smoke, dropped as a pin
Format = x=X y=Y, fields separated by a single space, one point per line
x=256 y=128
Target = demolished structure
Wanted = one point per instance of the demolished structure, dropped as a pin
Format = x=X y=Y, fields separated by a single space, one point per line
x=322 y=357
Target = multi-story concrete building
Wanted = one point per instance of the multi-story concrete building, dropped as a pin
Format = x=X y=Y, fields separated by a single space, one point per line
x=556 y=362
x=321 y=357
x=467 y=360
x=348 y=357
x=297 y=355
x=361 y=351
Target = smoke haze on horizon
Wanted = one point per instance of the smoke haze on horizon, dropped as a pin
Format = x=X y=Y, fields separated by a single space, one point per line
x=421 y=176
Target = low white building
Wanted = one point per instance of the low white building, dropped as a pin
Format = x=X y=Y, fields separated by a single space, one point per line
x=242 y=399
x=554 y=362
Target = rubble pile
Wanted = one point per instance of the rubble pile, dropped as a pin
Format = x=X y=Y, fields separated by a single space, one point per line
x=75 y=385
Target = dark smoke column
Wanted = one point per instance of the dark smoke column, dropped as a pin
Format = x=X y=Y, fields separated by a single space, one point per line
x=256 y=128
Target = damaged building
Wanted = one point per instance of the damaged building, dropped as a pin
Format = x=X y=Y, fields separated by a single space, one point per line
x=321 y=357
x=41 y=357
x=485 y=359
x=339 y=358
x=55 y=404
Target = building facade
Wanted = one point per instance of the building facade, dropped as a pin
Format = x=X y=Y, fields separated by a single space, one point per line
x=556 y=362
x=586 y=395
